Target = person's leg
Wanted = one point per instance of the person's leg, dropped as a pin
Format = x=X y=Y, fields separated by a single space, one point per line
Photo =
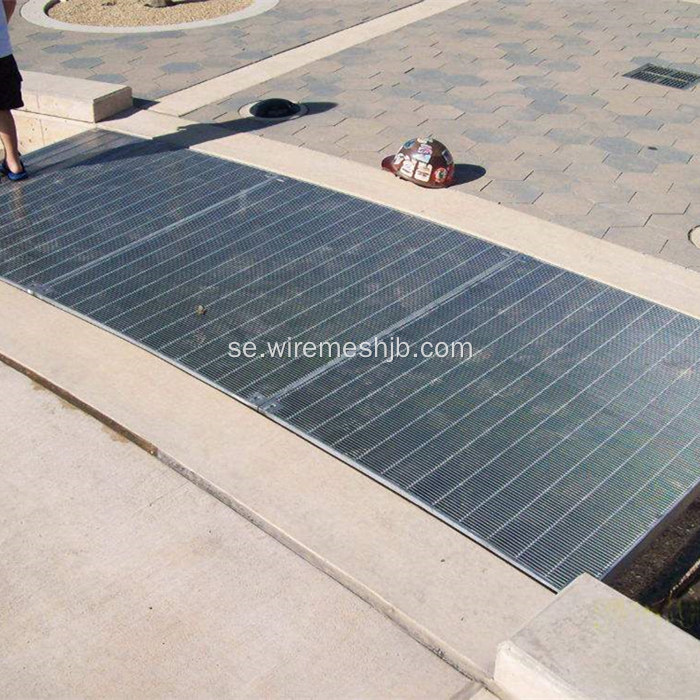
x=8 y=136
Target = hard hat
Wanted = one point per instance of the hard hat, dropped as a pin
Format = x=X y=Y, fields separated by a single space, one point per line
x=427 y=162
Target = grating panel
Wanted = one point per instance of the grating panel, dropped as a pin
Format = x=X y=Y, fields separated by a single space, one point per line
x=669 y=77
x=571 y=428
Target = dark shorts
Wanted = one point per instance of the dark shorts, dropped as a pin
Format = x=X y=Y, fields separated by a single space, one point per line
x=10 y=84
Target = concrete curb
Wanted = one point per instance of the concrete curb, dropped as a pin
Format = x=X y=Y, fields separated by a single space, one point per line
x=34 y=11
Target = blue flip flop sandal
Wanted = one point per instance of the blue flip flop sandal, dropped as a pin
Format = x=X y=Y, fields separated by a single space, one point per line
x=14 y=177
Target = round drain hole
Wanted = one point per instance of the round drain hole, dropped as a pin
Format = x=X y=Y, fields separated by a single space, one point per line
x=694 y=236
x=274 y=109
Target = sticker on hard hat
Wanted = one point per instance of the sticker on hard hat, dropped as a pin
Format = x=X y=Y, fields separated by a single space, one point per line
x=408 y=167
x=440 y=174
x=423 y=172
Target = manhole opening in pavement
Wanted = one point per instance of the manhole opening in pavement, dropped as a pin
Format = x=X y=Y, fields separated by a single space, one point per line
x=668 y=77
x=275 y=109
x=694 y=236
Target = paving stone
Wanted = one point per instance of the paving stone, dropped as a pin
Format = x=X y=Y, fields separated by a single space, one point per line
x=604 y=192
x=360 y=127
x=645 y=239
x=62 y=48
x=666 y=203
x=667 y=155
x=680 y=224
x=551 y=162
x=631 y=163
x=681 y=252
x=83 y=62
x=181 y=67
x=569 y=204
x=621 y=146
x=569 y=137
x=509 y=170
x=581 y=153
x=320 y=134
x=480 y=135
x=371 y=143
x=227 y=46
x=369 y=158
x=439 y=111
x=512 y=191
x=618 y=216
x=361 y=110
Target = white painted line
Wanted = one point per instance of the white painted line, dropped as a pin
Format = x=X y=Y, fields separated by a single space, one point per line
x=184 y=101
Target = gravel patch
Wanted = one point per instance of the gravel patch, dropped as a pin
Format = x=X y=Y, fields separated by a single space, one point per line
x=133 y=13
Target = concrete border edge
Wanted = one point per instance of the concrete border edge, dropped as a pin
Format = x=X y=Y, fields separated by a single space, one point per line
x=35 y=11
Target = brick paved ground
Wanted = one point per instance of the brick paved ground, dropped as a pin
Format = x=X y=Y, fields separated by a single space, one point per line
x=533 y=92
x=160 y=63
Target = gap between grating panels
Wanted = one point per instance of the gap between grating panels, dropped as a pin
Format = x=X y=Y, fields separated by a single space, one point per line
x=668 y=77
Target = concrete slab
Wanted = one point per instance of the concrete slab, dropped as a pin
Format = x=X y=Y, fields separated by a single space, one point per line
x=592 y=642
x=122 y=579
x=73 y=98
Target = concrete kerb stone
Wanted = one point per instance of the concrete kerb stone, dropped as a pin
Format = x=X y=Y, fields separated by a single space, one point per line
x=592 y=642
x=35 y=11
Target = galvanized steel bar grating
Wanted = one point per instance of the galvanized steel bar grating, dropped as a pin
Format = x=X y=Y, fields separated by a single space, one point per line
x=558 y=444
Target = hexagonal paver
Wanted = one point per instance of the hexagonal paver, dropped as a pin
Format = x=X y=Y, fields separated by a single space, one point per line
x=678 y=224
x=645 y=239
x=604 y=192
x=487 y=135
x=570 y=204
x=667 y=203
x=83 y=62
x=320 y=134
x=620 y=146
x=619 y=216
x=569 y=137
x=372 y=143
x=509 y=170
x=181 y=67
x=439 y=111
x=681 y=252
x=630 y=163
x=667 y=155
x=63 y=48
x=512 y=191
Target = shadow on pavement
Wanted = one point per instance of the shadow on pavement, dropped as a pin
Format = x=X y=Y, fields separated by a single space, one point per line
x=198 y=133
x=465 y=173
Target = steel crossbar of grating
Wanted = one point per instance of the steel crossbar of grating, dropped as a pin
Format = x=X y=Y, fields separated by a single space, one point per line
x=559 y=443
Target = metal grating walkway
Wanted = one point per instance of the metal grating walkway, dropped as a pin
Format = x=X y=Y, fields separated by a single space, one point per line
x=572 y=429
